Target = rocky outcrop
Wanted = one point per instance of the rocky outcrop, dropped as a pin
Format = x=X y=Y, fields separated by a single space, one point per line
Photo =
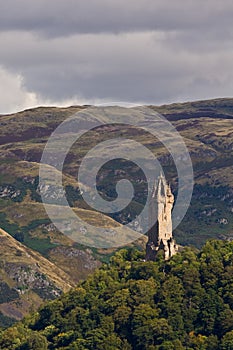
x=27 y=278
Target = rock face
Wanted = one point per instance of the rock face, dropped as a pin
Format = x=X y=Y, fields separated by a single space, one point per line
x=26 y=279
x=160 y=235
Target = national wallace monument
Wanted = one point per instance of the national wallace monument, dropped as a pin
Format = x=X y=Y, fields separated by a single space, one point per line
x=160 y=235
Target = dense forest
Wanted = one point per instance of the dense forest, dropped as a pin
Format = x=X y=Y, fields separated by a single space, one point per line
x=183 y=303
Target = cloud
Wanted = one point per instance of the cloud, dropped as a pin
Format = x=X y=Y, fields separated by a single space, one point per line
x=14 y=96
x=148 y=51
x=65 y=17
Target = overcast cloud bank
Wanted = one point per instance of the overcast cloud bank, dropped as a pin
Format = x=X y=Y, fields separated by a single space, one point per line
x=148 y=51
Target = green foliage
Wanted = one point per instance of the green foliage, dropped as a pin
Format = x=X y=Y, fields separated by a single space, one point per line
x=227 y=341
x=7 y=294
x=6 y=321
x=14 y=229
x=73 y=195
x=22 y=234
x=35 y=341
x=184 y=303
x=208 y=205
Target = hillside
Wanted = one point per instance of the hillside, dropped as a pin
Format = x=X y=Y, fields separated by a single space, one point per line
x=26 y=279
x=184 y=303
x=206 y=126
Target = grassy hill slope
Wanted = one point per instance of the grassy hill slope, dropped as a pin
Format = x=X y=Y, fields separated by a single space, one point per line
x=26 y=278
x=207 y=128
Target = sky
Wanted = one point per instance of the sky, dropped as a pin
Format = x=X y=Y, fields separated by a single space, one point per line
x=66 y=52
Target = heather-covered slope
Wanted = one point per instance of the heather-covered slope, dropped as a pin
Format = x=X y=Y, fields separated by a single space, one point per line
x=206 y=126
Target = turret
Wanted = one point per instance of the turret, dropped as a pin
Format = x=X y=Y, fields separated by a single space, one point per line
x=160 y=208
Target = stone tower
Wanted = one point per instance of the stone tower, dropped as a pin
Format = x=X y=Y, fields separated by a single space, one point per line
x=160 y=235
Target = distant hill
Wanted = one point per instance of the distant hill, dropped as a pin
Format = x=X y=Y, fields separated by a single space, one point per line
x=207 y=128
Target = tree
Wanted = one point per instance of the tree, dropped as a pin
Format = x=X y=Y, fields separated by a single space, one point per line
x=35 y=341
x=227 y=341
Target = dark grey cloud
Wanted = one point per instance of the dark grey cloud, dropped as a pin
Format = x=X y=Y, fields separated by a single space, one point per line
x=148 y=51
x=64 y=17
